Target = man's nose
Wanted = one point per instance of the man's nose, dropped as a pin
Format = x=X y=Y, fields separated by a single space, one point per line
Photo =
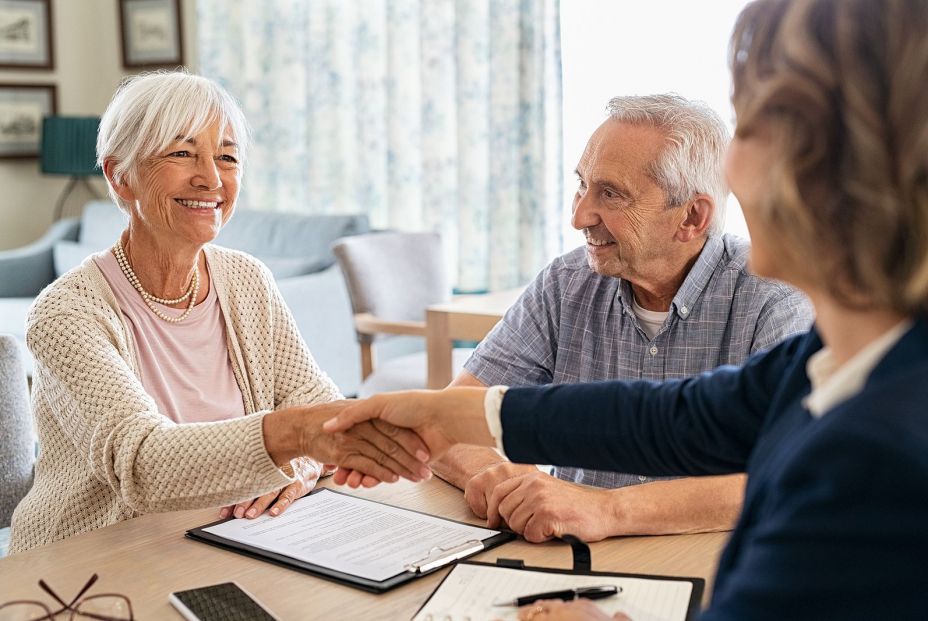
x=584 y=214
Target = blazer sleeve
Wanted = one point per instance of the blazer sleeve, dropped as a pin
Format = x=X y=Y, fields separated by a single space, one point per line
x=707 y=424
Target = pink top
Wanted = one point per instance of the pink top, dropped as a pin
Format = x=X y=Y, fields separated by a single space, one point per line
x=184 y=366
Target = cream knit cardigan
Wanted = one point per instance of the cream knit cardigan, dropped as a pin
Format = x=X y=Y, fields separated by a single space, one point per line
x=106 y=453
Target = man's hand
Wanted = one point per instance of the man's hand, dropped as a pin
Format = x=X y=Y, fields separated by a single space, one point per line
x=480 y=487
x=540 y=507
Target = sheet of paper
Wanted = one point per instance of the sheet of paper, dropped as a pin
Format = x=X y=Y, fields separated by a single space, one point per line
x=469 y=591
x=350 y=534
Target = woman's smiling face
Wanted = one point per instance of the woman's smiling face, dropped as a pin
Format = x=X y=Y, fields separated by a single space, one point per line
x=187 y=192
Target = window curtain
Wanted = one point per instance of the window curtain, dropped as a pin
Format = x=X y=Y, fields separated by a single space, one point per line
x=440 y=115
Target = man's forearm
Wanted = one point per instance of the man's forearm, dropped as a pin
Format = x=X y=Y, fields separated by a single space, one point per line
x=463 y=461
x=691 y=505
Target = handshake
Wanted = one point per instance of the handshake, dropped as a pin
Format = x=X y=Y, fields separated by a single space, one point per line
x=382 y=438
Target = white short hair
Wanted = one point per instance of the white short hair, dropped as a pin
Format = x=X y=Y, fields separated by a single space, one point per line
x=149 y=111
x=693 y=162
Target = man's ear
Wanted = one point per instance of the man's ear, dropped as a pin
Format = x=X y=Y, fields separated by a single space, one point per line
x=698 y=215
x=122 y=189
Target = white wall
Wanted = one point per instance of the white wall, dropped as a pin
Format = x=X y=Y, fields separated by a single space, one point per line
x=88 y=68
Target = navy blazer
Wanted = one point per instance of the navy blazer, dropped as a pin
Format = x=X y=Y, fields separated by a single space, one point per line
x=835 y=517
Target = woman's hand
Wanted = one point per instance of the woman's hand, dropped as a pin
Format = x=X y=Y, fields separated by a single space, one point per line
x=306 y=472
x=382 y=451
x=577 y=610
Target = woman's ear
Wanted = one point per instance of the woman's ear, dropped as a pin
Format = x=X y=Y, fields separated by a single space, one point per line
x=121 y=188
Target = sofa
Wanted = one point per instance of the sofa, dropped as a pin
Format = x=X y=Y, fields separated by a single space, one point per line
x=295 y=247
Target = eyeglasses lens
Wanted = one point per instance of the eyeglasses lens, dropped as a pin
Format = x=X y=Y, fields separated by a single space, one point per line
x=23 y=611
x=105 y=608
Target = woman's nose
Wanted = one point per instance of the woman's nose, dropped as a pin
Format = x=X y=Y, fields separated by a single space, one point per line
x=207 y=175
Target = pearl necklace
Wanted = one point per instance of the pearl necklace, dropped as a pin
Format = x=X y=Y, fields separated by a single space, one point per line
x=192 y=289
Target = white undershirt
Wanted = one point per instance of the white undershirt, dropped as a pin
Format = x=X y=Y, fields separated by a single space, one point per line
x=650 y=321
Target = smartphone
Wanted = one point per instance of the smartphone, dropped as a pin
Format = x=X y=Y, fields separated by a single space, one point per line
x=219 y=602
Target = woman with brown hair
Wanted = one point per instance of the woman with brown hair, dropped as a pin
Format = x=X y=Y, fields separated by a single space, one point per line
x=830 y=164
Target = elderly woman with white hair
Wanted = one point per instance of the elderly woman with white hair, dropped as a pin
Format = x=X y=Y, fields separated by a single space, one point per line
x=169 y=372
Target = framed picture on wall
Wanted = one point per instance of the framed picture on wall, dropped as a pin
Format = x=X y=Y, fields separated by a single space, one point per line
x=151 y=33
x=22 y=107
x=26 y=34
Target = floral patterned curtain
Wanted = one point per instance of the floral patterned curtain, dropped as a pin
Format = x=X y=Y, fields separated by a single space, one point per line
x=437 y=115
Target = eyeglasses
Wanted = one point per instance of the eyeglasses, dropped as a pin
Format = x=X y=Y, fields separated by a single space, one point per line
x=103 y=607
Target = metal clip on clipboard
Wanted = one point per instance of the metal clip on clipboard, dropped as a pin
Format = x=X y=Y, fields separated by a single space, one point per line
x=437 y=557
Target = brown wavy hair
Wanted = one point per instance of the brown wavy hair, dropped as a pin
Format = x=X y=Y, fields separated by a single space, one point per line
x=842 y=85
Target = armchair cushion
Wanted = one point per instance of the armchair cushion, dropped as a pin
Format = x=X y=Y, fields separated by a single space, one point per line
x=69 y=254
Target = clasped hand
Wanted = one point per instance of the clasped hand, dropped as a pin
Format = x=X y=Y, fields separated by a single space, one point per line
x=440 y=419
x=373 y=449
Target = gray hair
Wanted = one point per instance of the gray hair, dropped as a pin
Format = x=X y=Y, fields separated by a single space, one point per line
x=693 y=162
x=149 y=111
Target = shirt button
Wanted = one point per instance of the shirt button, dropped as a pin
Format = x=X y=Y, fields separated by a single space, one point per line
x=642 y=478
x=653 y=350
x=684 y=310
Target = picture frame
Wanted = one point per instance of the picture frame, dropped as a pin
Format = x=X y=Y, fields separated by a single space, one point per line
x=151 y=33
x=26 y=39
x=22 y=108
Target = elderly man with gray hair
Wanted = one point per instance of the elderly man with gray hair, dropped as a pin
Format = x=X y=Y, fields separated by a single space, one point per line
x=658 y=292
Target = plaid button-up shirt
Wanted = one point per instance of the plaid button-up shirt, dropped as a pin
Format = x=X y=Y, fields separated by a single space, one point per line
x=573 y=325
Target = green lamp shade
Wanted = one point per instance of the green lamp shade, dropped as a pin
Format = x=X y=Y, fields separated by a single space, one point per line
x=69 y=145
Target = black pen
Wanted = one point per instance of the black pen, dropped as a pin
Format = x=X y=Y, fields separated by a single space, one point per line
x=590 y=592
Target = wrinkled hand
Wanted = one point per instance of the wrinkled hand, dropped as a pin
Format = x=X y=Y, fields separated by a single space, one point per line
x=375 y=449
x=577 y=610
x=306 y=472
x=379 y=450
x=480 y=487
x=440 y=418
x=539 y=506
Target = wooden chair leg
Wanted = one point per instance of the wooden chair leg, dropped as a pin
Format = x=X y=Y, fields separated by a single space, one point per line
x=367 y=360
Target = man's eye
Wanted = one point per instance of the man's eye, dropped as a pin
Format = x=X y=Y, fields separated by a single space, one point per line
x=611 y=194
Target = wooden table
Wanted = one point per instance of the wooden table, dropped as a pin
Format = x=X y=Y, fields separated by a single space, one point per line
x=465 y=318
x=148 y=557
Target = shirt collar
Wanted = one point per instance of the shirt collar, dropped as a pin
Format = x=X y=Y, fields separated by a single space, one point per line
x=833 y=384
x=694 y=283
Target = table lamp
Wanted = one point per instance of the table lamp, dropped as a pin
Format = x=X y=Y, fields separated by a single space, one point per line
x=69 y=147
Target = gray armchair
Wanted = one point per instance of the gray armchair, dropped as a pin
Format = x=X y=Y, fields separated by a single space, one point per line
x=295 y=247
x=391 y=279
x=17 y=441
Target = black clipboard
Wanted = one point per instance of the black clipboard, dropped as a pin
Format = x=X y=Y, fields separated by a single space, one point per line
x=582 y=565
x=440 y=559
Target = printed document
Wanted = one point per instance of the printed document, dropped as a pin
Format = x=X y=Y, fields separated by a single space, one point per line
x=470 y=590
x=352 y=535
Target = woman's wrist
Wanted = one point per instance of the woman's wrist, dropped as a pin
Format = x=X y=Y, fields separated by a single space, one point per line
x=283 y=436
x=465 y=419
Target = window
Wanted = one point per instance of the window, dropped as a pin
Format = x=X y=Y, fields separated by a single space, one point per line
x=622 y=47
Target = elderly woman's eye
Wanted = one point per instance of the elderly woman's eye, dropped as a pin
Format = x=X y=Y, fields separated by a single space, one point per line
x=179 y=154
x=229 y=158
